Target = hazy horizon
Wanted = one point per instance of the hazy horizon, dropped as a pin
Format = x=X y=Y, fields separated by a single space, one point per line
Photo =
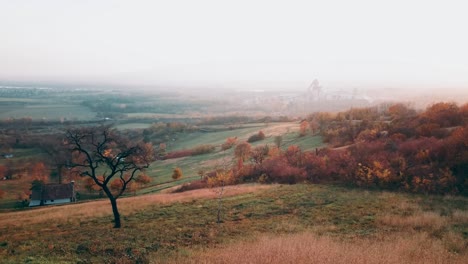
x=252 y=44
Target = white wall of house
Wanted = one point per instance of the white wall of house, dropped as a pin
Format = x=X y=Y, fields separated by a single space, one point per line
x=34 y=203
x=58 y=201
x=49 y=202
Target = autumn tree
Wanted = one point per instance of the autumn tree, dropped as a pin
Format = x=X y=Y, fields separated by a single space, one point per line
x=230 y=142
x=218 y=182
x=36 y=185
x=3 y=172
x=102 y=151
x=162 y=150
x=303 y=128
x=39 y=172
x=443 y=114
x=259 y=154
x=177 y=173
x=294 y=155
x=143 y=179
x=314 y=126
x=91 y=185
x=58 y=153
x=278 y=141
x=256 y=137
x=398 y=111
x=242 y=152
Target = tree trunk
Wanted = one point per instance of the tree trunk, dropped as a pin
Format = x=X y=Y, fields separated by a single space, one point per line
x=116 y=212
x=59 y=173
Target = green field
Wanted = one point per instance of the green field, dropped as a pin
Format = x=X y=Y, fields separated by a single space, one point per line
x=132 y=126
x=48 y=112
x=161 y=171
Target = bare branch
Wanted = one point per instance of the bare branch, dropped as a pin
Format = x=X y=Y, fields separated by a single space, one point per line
x=102 y=147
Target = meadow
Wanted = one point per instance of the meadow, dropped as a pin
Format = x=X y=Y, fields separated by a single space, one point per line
x=161 y=171
x=308 y=222
x=260 y=224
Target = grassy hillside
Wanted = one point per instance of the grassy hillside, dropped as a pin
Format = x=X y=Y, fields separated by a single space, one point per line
x=270 y=221
x=161 y=171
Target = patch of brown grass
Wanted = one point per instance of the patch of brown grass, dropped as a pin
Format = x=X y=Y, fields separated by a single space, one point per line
x=421 y=220
x=460 y=216
x=72 y=213
x=309 y=248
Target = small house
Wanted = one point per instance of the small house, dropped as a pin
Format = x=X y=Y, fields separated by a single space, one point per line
x=54 y=193
x=8 y=155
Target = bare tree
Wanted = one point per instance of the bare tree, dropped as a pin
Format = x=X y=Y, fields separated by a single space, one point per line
x=217 y=181
x=103 y=155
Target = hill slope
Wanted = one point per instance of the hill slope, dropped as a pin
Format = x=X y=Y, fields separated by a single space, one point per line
x=177 y=227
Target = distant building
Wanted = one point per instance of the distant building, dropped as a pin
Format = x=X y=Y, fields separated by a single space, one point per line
x=53 y=194
x=8 y=155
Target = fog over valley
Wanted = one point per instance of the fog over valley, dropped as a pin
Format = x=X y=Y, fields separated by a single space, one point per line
x=248 y=131
x=415 y=46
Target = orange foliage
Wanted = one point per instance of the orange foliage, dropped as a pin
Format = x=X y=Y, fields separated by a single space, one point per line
x=177 y=174
x=230 y=142
x=90 y=185
x=242 y=152
x=259 y=153
x=221 y=178
x=116 y=185
x=443 y=114
x=418 y=152
x=3 y=171
x=303 y=128
x=143 y=179
x=273 y=151
x=39 y=172
x=293 y=155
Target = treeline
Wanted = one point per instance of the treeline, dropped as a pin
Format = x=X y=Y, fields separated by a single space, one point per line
x=111 y=105
x=393 y=147
x=235 y=120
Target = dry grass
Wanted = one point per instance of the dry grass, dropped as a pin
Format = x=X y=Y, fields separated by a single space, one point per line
x=72 y=213
x=309 y=248
x=422 y=220
x=460 y=216
x=284 y=224
x=278 y=130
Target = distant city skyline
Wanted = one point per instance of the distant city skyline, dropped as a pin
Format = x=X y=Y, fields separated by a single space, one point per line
x=235 y=44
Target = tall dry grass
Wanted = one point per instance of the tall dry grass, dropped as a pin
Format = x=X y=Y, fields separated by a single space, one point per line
x=72 y=213
x=309 y=248
x=421 y=220
x=411 y=216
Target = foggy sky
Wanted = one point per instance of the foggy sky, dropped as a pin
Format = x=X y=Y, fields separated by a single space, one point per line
x=400 y=43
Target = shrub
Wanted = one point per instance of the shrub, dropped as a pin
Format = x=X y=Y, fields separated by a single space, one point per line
x=303 y=128
x=230 y=142
x=242 y=151
x=178 y=154
x=202 y=149
x=177 y=174
x=256 y=137
x=194 y=185
x=279 y=170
